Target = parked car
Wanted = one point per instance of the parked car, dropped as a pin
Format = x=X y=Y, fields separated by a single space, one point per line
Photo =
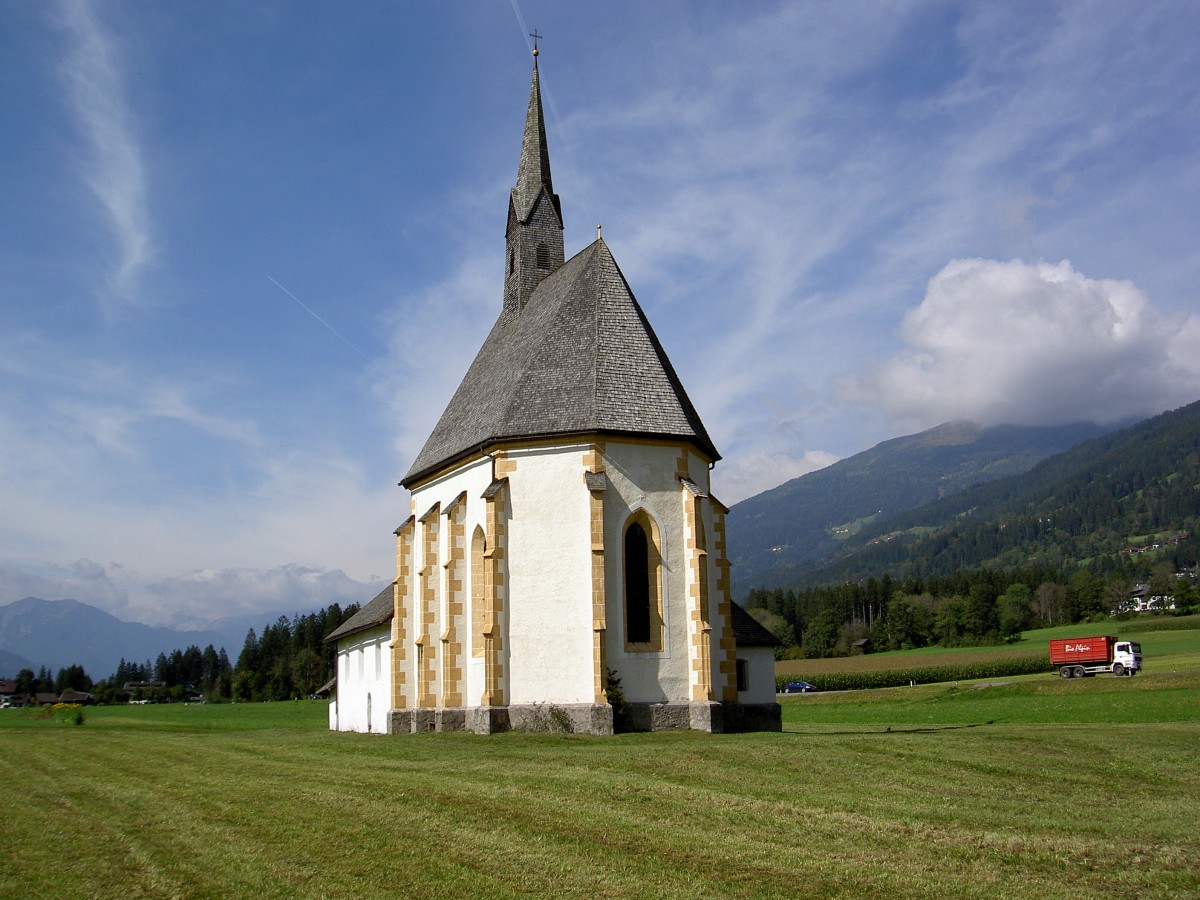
x=798 y=687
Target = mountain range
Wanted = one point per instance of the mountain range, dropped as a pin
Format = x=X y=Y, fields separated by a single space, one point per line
x=775 y=535
x=994 y=497
x=59 y=633
x=1114 y=504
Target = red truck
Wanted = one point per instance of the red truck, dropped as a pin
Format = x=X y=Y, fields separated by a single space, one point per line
x=1081 y=657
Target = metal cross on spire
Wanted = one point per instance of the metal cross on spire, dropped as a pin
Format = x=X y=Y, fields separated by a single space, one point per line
x=536 y=37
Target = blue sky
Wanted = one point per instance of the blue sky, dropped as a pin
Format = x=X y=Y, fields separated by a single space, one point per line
x=248 y=250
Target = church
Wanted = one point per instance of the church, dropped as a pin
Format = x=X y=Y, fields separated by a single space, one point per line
x=563 y=566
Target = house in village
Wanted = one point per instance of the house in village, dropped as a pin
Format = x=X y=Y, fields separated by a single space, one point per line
x=10 y=696
x=563 y=538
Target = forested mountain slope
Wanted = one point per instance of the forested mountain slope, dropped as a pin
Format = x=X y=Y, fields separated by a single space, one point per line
x=1093 y=506
x=778 y=534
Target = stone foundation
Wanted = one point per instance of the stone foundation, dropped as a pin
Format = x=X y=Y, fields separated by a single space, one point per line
x=590 y=718
x=562 y=718
x=487 y=719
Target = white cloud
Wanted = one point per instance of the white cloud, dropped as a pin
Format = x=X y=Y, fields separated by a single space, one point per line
x=1033 y=344
x=85 y=580
x=93 y=74
x=88 y=569
x=752 y=473
x=204 y=595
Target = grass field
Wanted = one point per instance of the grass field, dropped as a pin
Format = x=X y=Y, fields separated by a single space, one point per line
x=1082 y=788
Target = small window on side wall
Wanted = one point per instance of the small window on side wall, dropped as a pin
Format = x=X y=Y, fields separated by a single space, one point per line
x=743 y=675
x=543 y=257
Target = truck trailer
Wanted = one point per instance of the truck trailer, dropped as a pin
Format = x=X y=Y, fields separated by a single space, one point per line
x=1082 y=657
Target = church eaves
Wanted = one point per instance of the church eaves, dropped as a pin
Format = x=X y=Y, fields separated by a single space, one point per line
x=580 y=359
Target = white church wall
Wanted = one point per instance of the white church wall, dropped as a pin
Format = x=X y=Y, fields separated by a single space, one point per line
x=642 y=476
x=471 y=480
x=761 y=665
x=364 y=665
x=550 y=615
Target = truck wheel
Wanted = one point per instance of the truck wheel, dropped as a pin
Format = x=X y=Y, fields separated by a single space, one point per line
x=1079 y=673
x=1066 y=672
x=1118 y=669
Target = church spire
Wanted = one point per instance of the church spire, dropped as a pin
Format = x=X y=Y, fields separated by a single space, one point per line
x=534 y=235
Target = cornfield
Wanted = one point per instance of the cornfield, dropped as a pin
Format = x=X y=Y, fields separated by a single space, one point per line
x=864 y=672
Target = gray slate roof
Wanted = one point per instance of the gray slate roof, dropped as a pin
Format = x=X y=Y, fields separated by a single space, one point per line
x=580 y=358
x=376 y=612
x=748 y=632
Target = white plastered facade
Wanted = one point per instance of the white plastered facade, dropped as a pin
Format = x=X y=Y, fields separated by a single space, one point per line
x=363 y=682
x=538 y=619
x=760 y=671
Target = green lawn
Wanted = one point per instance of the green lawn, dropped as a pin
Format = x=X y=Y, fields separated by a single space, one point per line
x=1089 y=783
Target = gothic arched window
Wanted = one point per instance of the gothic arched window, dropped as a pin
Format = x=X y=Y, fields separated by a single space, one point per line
x=637 y=586
x=642 y=582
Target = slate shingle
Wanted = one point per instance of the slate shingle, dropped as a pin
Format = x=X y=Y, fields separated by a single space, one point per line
x=748 y=632
x=378 y=611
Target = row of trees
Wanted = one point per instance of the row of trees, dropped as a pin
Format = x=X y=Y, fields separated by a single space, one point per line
x=965 y=609
x=69 y=678
x=289 y=659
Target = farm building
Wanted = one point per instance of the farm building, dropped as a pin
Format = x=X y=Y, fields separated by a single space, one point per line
x=562 y=537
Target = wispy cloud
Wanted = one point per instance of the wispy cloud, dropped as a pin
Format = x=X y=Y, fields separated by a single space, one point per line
x=434 y=335
x=84 y=401
x=95 y=84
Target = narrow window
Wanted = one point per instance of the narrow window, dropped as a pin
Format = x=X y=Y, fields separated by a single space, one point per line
x=543 y=257
x=637 y=586
x=743 y=675
x=512 y=261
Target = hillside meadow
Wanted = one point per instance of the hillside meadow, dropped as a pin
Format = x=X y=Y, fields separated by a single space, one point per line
x=1006 y=789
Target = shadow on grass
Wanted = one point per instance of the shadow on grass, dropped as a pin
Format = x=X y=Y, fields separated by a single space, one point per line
x=893 y=729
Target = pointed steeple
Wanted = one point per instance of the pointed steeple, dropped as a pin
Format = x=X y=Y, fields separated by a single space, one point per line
x=533 y=171
x=534 y=235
